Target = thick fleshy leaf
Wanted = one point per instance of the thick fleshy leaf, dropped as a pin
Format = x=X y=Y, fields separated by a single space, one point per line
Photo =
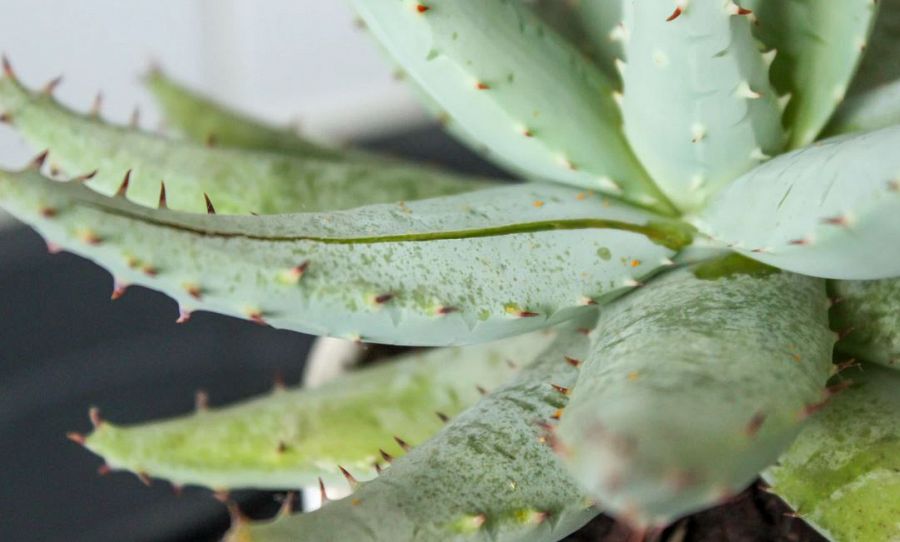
x=721 y=115
x=831 y=210
x=488 y=475
x=238 y=181
x=818 y=44
x=201 y=119
x=462 y=269
x=602 y=22
x=511 y=82
x=693 y=385
x=842 y=474
x=874 y=98
x=867 y=315
x=292 y=438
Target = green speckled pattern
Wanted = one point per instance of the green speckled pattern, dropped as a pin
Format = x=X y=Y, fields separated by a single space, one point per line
x=487 y=476
x=692 y=387
x=830 y=210
x=842 y=474
x=468 y=268
x=237 y=181
x=513 y=83
x=818 y=45
x=867 y=314
x=698 y=106
x=291 y=438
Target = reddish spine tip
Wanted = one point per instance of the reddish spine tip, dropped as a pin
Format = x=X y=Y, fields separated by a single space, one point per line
x=443 y=417
x=50 y=87
x=481 y=390
x=257 y=318
x=384 y=298
x=422 y=8
x=573 y=362
x=94 y=415
x=527 y=314
x=675 y=14
x=184 y=316
x=481 y=86
x=163 y=204
x=349 y=477
x=445 y=310
x=123 y=188
x=103 y=470
x=5 y=118
x=403 y=444
x=322 y=493
x=7 y=67
x=77 y=438
x=561 y=389
x=755 y=424
x=209 y=206
x=119 y=290
x=86 y=177
x=386 y=456
x=49 y=212
x=38 y=161
x=201 y=401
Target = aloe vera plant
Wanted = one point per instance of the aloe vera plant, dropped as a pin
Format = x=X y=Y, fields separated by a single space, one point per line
x=665 y=308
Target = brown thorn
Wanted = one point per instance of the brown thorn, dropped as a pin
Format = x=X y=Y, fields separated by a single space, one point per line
x=77 y=438
x=422 y=8
x=323 y=495
x=836 y=220
x=209 y=205
x=194 y=291
x=86 y=177
x=38 y=161
x=51 y=86
x=755 y=424
x=527 y=314
x=378 y=469
x=144 y=478
x=351 y=480
x=481 y=86
x=444 y=310
x=201 y=401
x=386 y=456
x=282 y=447
x=49 y=212
x=177 y=489
x=119 y=290
x=383 y=298
x=163 y=204
x=223 y=496
x=443 y=417
x=97 y=106
x=573 y=362
x=403 y=444
x=123 y=188
x=844 y=365
x=287 y=504
x=5 y=118
x=104 y=470
x=7 y=67
x=94 y=416
x=675 y=14
x=561 y=389
x=184 y=316
x=481 y=390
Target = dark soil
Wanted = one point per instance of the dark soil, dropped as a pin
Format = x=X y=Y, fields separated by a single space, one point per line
x=752 y=516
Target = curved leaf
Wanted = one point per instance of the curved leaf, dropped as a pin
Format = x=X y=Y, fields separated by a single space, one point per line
x=830 y=210
x=462 y=269
x=818 y=44
x=872 y=110
x=693 y=385
x=842 y=474
x=238 y=181
x=291 y=438
x=867 y=315
x=881 y=60
x=602 y=22
x=488 y=475
x=203 y=120
x=518 y=87
x=722 y=116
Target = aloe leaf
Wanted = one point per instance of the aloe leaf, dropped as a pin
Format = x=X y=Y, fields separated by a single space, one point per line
x=880 y=63
x=722 y=116
x=488 y=475
x=292 y=438
x=867 y=315
x=203 y=120
x=842 y=474
x=455 y=270
x=238 y=181
x=873 y=101
x=602 y=21
x=693 y=385
x=511 y=82
x=830 y=210
x=819 y=44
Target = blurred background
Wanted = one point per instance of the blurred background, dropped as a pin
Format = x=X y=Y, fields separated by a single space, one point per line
x=63 y=345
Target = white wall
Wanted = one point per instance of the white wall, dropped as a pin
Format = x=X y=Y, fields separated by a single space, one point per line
x=285 y=60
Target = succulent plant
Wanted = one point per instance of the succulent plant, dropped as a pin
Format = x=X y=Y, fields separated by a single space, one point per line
x=672 y=302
